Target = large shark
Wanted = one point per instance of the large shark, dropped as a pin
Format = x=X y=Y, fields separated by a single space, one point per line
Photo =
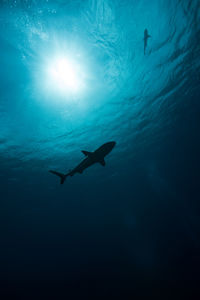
x=91 y=158
x=146 y=36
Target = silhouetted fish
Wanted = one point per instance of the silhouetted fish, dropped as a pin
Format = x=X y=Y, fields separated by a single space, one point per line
x=146 y=36
x=92 y=157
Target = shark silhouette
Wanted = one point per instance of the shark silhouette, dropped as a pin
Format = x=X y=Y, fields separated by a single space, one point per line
x=91 y=158
x=146 y=36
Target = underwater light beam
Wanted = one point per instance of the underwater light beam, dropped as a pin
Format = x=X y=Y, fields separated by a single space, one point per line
x=64 y=75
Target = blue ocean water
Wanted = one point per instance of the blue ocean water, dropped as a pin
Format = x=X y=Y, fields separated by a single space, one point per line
x=132 y=227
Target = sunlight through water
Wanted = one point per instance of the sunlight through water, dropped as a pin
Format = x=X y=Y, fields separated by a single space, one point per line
x=64 y=76
x=75 y=75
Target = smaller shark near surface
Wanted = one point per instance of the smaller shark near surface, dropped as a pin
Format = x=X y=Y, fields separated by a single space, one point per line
x=146 y=36
x=91 y=158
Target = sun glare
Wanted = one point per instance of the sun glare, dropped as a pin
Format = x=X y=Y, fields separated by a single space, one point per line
x=65 y=75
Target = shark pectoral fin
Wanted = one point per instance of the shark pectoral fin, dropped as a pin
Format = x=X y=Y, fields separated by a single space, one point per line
x=87 y=153
x=102 y=162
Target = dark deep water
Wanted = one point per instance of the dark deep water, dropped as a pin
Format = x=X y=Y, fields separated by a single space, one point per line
x=131 y=229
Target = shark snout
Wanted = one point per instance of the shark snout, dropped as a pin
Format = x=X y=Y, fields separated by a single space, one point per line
x=112 y=144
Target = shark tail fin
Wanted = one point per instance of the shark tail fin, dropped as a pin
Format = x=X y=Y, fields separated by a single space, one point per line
x=62 y=176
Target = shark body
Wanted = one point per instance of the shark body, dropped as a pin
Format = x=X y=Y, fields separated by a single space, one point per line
x=146 y=36
x=91 y=158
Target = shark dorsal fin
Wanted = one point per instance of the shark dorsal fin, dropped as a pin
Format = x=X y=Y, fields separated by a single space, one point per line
x=87 y=153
